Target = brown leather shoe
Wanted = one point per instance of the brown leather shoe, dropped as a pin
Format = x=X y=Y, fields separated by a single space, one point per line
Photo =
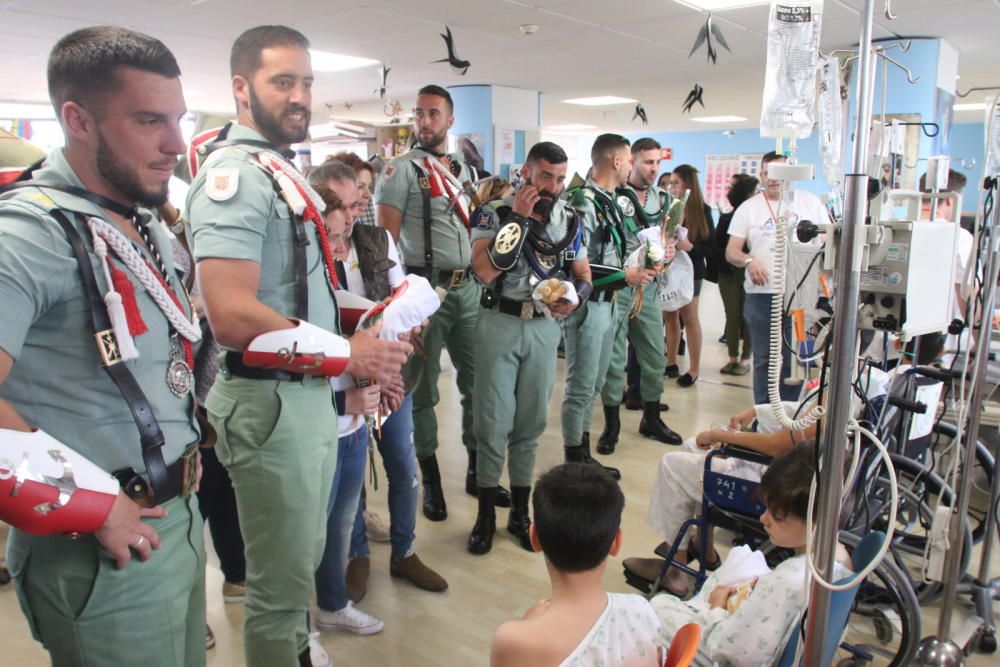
x=418 y=574
x=356 y=578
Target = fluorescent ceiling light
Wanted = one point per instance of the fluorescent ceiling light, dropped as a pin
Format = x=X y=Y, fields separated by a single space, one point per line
x=972 y=106
x=324 y=61
x=719 y=119
x=604 y=100
x=716 y=5
x=572 y=126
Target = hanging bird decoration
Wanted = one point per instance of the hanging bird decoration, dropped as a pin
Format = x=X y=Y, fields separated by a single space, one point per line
x=640 y=113
x=693 y=97
x=458 y=65
x=705 y=35
x=383 y=74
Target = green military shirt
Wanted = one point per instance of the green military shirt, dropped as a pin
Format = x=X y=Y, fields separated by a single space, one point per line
x=519 y=282
x=57 y=382
x=602 y=233
x=636 y=219
x=238 y=215
x=399 y=187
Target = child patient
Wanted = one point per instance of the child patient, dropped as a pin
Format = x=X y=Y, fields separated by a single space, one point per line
x=578 y=510
x=743 y=626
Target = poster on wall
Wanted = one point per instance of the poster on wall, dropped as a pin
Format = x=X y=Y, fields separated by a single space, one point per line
x=719 y=170
x=507 y=146
x=472 y=146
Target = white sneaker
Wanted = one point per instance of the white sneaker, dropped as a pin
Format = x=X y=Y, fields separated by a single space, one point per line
x=317 y=654
x=349 y=618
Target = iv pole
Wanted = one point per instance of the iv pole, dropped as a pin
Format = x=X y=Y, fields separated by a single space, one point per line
x=843 y=348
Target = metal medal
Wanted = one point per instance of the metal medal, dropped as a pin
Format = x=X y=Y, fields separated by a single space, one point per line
x=180 y=378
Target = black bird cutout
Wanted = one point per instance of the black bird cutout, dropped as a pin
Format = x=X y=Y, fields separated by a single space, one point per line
x=459 y=66
x=640 y=113
x=705 y=35
x=693 y=97
x=383 y=74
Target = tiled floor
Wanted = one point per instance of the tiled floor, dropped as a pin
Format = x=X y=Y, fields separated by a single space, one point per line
x=454 y=628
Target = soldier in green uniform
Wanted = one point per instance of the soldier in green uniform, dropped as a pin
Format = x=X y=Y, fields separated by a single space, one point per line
x=419 y=198
x=109 y=472
x=643 y=205
x=516 y=242
x=264 y=259
x=587 y=331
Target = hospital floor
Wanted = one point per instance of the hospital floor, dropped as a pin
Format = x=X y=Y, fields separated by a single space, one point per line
x=454 y=628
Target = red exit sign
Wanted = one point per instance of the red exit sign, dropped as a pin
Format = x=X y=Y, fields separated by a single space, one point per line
x=666 y=153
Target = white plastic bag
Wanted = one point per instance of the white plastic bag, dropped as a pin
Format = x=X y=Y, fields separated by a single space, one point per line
x=538 y=297
x=676 y=286
x=790 y=75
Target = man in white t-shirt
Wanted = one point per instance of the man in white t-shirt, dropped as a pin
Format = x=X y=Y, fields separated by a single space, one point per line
x=752 y=246
x=964 y=247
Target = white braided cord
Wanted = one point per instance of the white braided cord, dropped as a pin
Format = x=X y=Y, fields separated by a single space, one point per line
x=106 y=235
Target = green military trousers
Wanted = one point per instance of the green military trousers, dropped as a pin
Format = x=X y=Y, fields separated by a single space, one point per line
x=85 y=612
x=453 y=327
x=278 y=441
x=515 y=375
x=645 y=330
x=587 y=333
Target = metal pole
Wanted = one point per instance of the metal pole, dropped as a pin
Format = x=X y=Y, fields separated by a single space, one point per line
x=953 y=559
x=844 y=350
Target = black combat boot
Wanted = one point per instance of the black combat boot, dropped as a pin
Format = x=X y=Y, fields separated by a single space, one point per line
x=652 y=426
x=612 y=427
x=519 y=521
x=581 y=454
x=434 y=507
x=471 y=482
x=481 y=538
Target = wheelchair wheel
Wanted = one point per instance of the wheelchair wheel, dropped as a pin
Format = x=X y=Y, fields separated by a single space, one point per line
x=919 y=493
x=982 y=477
x=885 y=620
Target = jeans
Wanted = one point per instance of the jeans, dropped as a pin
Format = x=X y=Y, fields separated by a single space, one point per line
x=400 y=462
x=757 y=311
x=345 y=492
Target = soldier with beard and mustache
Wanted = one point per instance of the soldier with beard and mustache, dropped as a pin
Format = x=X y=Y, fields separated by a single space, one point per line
x=517 y=240
x=109 y=458
x=263 y=259
x=419 y=199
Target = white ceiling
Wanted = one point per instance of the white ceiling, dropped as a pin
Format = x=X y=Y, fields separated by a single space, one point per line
x=631 y=48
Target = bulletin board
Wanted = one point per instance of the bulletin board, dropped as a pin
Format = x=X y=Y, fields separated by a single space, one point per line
x=719 y=170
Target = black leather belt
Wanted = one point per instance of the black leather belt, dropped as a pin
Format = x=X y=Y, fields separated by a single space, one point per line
x=236 y=367
x=602 y=295
x=180 y=480
x=523 y=309
x=452 y=279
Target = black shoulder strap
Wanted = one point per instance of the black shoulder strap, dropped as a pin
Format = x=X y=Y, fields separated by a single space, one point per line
x=222 y=140
x=150 y=436
x=425 y=194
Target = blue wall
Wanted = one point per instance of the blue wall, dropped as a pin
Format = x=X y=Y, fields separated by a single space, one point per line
x=474 y=114
x=692 y=147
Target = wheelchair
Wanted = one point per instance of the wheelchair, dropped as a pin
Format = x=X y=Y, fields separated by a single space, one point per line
x=884 y=621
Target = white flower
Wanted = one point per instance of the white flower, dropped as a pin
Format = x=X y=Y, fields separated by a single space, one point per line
x=654 y=252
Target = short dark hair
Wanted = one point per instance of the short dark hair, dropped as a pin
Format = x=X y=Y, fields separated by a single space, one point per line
x=928 y=348
x=244 y=59
x=742 y=189
x=330 y=198
x=84 y=65
x=434 y=89
x=771 y=156
x=354 y=162
x=578 y=510
x=605 y=146
x=956 y=182
x=331 y=170
x=645 y=144
x=548 y=151
x=785 y=484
